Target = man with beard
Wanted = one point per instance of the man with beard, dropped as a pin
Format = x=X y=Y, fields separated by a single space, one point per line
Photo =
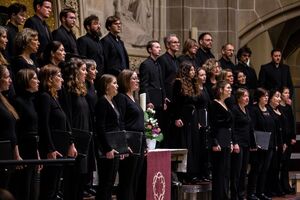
x=90 y=45
x=227 y=53
x=64 y=33
x=205 y=41
x=37 y=22
x=115 y=54
x=275 y=75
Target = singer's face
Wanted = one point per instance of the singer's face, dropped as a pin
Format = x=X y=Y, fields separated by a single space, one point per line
x=229 y=50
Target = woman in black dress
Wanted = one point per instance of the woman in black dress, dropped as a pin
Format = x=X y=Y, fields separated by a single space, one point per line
x=8 y=118
x=205 y=163
x=26 y=44
x=54 y=130
x=221 y=122
x=186 y=119
x=290 y=139
x=262 y=120
x=76 y=107
x=243 y=140
x=273 y=184
x=107 y=119
x=132 y=118
x=27 y=84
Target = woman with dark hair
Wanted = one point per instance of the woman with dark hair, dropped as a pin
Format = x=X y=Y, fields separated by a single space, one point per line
x=189 y=51
x=273 y=187
x=290 y=139
x=54 y=53
x=221 y=122
x=132 y=119
x=262 y=120
x=243 y=140
x=27 y=84
x=77 y=109
x=26 y=44
x=204 y=126
x=8 y=118
x=53 y=127
x=107 y=119
x=187 y=101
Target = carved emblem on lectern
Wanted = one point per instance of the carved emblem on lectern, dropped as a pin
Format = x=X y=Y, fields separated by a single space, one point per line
x=159 y=186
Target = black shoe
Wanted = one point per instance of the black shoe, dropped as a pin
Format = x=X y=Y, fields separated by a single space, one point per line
x=252 y=197
x=264 y=197
x=92 y=191
x=86 y=194
x=290 y=191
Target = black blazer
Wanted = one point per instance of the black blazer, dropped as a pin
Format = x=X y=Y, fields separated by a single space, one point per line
x=106 y=120
x=92 y=48
x=271 y=77
x=251 y=81
x=169 y=67
x=67 y=38
x=151 y=82
x=113 y=55
x=42 y=28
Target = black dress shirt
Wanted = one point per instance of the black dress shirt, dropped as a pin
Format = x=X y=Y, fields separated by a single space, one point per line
x=202 y=55
x=226 y=64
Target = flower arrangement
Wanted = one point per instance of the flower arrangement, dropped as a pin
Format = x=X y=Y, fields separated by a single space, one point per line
x=152 y=130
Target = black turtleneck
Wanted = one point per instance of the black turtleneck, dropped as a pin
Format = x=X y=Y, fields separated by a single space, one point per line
x=27 y=126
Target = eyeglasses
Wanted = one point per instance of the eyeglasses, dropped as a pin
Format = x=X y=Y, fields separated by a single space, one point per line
x=175 y=42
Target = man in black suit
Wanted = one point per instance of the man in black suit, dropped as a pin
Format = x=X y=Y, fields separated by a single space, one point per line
x=90 y=45
x=169 y=67
x=64 y=33
x=115 y=54
x=151 y=81
x=37 y=22
x=275 y=75
x=227 y=54
x=205 y=41
x=169 y=63
x=17 y=16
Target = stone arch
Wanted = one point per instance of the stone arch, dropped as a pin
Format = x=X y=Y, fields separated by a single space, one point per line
x=265 y=22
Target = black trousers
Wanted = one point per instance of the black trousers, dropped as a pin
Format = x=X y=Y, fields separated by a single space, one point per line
x=220 y=174
x=127 y=173
x=239 y=163
x=260 y=161
x=50 y=178
x=24 y=182
x=107 y=171
x=74 y=180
